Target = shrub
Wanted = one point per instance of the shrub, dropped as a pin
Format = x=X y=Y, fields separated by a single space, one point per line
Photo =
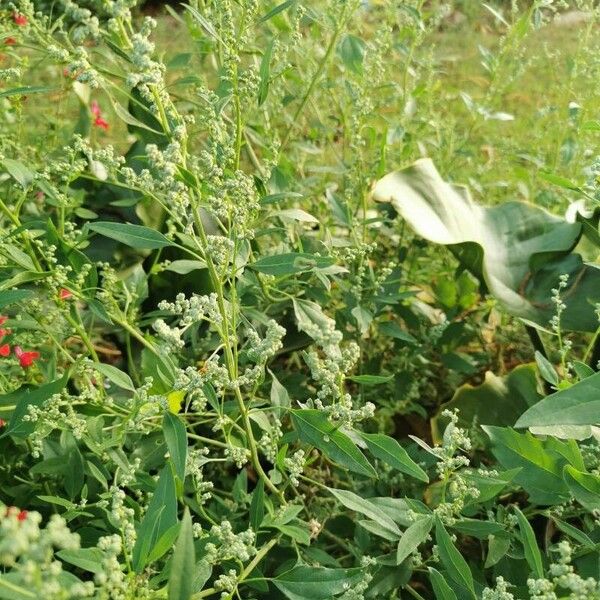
x=215 y=342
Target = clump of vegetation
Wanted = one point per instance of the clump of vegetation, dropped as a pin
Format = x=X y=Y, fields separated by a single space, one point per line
x=257 y=342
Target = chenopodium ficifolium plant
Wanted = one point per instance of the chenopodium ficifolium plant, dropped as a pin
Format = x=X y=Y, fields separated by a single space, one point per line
x=187 y=408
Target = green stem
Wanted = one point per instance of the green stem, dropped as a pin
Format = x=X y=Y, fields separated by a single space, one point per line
x=315 y=77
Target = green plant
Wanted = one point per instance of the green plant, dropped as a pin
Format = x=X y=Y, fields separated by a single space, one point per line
x=215 y=345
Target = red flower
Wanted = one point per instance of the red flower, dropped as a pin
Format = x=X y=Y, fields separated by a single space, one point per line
x=21 y=514
x=95 y=108
x=64 y=294
x=26 y=359
x=2 y=422
x=3 y=331
x=20 y=20
x=10 y=41
x=98 y=121
x=5 y=350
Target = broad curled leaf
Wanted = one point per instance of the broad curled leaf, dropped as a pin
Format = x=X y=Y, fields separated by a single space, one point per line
x=576 y=405
x=517 y=249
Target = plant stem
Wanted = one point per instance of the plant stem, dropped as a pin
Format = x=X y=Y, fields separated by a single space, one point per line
x=315 y=77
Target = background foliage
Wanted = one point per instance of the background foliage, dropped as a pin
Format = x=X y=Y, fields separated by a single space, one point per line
x=257 y=342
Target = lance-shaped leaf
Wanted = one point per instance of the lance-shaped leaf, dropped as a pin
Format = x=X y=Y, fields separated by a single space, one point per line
x=316 y=583
x=364 y=506
x=516 y=249
x=314 y=428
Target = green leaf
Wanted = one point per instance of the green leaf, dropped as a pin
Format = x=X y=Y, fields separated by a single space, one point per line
x=576 y=405
x=452 y=559
x=58 y=501
x=183 y=267
x=135 y=236
x=204 y=23
x=279 y=395
x=275 y=11
x=176 y=438
x=290 y=263
x=546 y=369
x=378 y=529
x=562 y=182
x=541 y=462
x=88 y=559
x=477 y=528
x=413 y=537
x=497 y=401
x=181 y=578
x=265 y=73
x=160 y=516
x=352 y=52
x=164 y=543
x=530 y=546
x=128 y=118
x=584 y=486
x=26 y=91
x=12 y=589
x=314 y=428
x=517 y=249
x=316 y=583
x=393 y=454
x=23 y=277
x=118 y=377
x=371 y=379
x=13 y=296
x=365 y=507
x=18 y=171
x=582 y=370
x=497 y=549
x=310 y=318
x=26 y=397
x=441 y=589
x=573 y=532
x=392 y=329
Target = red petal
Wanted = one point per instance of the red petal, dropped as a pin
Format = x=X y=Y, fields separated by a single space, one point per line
x=100 y=122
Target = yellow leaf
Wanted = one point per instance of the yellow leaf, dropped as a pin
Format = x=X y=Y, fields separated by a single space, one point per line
x=175 y=399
